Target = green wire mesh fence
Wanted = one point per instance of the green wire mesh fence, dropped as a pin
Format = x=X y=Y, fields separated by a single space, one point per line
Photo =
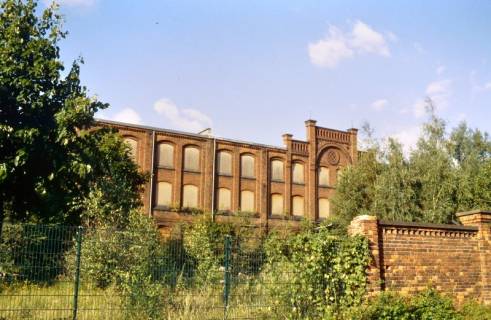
x=59 y=272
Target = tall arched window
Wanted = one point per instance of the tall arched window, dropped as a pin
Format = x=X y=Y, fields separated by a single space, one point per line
x=191 y=159
x=324 y=208
x=298 y=206
x=247 y=201
x=133 y=144
x=224 y=163
x=277 y=170
x=323 y=176
x=164 y=194
x=277 y=204
x=190 y=196
x=298 y=173
x=247 y=166
x=166 y=155
x=224 y=199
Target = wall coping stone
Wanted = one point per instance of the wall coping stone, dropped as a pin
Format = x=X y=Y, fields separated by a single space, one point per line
x=456 y=227
x=472 y=212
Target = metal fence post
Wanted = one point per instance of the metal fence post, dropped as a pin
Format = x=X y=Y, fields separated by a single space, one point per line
x=77 y=271
x=226 y=275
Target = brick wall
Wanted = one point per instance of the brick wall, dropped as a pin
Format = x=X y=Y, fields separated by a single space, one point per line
x=409 y=257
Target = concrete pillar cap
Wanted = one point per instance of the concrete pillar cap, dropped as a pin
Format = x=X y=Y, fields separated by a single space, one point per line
x=364 y=217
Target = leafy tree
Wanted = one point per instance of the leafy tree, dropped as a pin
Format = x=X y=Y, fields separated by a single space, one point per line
x=444 y=174
x=50 y=159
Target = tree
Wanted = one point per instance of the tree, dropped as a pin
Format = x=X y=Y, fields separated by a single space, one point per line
x=444 y=174
x=50 y=158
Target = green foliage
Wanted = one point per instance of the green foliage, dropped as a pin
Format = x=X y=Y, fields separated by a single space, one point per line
x=50 y=161
x=444 y=174
x=314 y=274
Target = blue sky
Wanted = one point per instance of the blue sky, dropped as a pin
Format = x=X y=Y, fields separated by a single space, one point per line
x=254 y=70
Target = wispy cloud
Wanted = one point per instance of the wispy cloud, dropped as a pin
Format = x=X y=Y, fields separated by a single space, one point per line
x=408 y=137
x=184 y=119
x=439 y=92
x=128 y=115
x=379 y=105
x=440 y=70
x=338 y=45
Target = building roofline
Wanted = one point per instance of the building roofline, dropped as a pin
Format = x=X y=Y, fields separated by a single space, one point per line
x=189 y=134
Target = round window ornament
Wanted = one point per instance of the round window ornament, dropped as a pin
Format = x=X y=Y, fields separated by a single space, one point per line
x=332 y=157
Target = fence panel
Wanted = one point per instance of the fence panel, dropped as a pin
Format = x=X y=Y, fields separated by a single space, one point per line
x=34 y=283
x=59 y=272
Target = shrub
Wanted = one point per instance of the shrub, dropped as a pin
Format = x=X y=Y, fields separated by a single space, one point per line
x=313 y=274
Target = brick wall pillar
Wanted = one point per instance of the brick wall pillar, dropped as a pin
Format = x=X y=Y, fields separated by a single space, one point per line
x=482 y=220
x=367 y=226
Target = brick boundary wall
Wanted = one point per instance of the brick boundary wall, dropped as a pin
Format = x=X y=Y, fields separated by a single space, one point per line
x=409 y=257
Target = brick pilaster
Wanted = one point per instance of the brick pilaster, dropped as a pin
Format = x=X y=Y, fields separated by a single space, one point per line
x=482 y=220
x=367 y=226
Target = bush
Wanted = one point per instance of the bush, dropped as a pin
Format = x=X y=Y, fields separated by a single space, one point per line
x=313 y=274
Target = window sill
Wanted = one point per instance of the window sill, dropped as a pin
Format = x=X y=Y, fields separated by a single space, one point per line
x=248 y=178
x=225 y=175
x=166 y=168
x=285 y=217
x=299 y=183
x=191 y=171
x=278 y=181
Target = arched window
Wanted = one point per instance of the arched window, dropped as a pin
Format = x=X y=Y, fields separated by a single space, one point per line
x=324 y=208
x=298 y=173
x=166 y=155
x=190 y=196
x=164 y=194
x=277 y=204
x=191 y=159
x=247 y=166
x=323 y=176
x=133 y=144
x=224 y=199
x=247 y=201
x=224 y=163
x=298 y=206
x=277 y=170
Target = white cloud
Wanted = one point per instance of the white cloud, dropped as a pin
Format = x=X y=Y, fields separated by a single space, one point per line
x=128 y=115
x=338 y=45
x=329 y=51
x=365 y=39
x=379 y=104
x=487 y=86
x=184 y=119
x=439 y=92
x=408 y=138
x=72 y=3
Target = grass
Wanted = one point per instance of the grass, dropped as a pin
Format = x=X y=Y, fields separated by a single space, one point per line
x=29 y=301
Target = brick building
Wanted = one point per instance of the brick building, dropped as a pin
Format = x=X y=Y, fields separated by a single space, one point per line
x=195 y=172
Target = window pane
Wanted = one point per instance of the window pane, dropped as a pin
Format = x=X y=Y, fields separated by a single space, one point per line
x=190 y=196
x=324 y=208
x=277 y=204
x=224 y=163
x=298 y=206
x=164 y=194
x=223 y=199
x=133 y=144
x=277 y=170
x=298 y=173
x=339 y=174
x=247 y=201
x=191 y=159
x=247 y=166
x=166 y=155
x=323 y=176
